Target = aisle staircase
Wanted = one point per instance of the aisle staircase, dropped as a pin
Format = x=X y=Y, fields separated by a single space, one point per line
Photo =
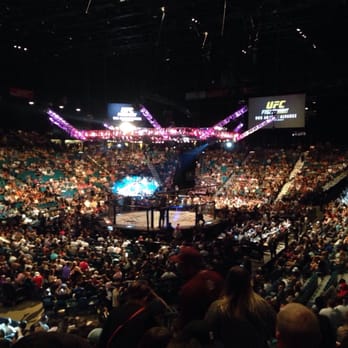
x=297 y=168
x=324 y=285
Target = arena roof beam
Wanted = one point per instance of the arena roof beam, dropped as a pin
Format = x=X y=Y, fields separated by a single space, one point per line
x=232 y=117
x=255 y=128
x=67 y=127
x=149 y=117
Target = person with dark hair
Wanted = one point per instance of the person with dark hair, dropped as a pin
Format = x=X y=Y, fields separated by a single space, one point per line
x=4 y=343
x=344 y=343
x=297 y=327
x=140 y=310
x=328 y=333
x=199 y=331
x=183 y=341
x=11 y=328
x=52 y=340
x=241 y=318
x=247 y=264
x=330 y=311
x=342 y=330
x=272 y=245
x=199 y=215
x=156 y=337
x=201 y=286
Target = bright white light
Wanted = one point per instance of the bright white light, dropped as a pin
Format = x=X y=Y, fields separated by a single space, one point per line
x=127 y=127
x=61 y=106
x=172 y=131
x=78 y=109
x=31 y=102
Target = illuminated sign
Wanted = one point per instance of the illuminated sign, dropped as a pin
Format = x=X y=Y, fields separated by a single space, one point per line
x=287 y=110
x=123 y=112
x=127 y=113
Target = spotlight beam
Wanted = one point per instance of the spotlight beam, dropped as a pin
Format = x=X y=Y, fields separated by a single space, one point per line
x=88 y=5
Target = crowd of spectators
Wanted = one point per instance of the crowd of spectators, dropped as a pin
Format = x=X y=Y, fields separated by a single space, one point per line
x=56 y=248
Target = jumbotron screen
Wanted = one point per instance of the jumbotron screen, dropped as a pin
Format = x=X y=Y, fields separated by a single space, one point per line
x=121 y=112
x=135 y=186
x=288 y=110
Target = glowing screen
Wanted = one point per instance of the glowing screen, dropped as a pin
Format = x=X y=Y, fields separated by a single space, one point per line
x=289 y=111
x=135 y=186
x=123 y=112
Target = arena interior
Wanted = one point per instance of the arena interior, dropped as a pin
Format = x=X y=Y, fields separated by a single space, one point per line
x=128 y=132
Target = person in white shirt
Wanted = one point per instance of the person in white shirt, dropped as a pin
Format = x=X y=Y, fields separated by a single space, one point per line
x=335 y=316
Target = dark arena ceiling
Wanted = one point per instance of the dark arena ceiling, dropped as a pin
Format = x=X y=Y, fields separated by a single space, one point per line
x=92 y=52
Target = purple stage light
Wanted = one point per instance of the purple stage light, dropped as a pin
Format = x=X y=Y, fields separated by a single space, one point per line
x=157 y=134
x=239 y=127
x=231 y=117
x=61 y=123
x=149 y=117
x=256 y=128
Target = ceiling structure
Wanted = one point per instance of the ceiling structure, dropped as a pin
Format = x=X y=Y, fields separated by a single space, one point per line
x=165 y=53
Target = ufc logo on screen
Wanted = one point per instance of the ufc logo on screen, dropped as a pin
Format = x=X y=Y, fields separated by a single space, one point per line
x=276 y=104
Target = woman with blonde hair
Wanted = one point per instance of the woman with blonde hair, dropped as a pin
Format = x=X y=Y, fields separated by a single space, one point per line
x=241 y=318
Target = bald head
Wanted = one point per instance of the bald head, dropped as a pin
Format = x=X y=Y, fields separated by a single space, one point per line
x=297 y=327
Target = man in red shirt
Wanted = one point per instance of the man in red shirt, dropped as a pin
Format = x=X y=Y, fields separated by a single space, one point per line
x=84 y=265
x=38 y=280
x=200 y=288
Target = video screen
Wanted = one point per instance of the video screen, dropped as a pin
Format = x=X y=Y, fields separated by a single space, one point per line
x=121 y=112
x=288 y=110
x=135 y=186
